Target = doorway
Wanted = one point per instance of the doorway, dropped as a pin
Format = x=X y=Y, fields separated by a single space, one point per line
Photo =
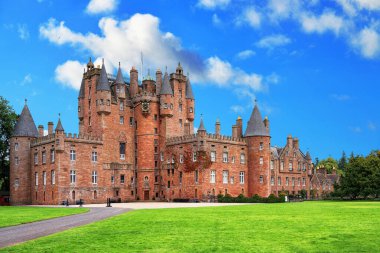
x=146 y=195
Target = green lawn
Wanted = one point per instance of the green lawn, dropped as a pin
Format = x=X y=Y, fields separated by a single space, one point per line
x=15 y=215
x=288 y=227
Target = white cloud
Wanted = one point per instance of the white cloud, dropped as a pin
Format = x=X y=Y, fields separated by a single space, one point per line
x=70 y=74
x=23 y=31
x=328 y=21
x=250 y=17
x=340 y=97
x=237 y=109
x=282 y=9
x=367 y=42
x=243 y=55
x=372 y=5
x=27 y=79
x=216 y=20
x=213 y=4
x=101 y=6
x=273 y=41
x=348 y=7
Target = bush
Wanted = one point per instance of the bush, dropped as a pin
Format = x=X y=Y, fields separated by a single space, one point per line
x=254 y=199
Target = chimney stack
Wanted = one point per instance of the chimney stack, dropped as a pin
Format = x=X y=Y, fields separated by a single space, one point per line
x=217 y=127
x=50 y=127
x=40 y=130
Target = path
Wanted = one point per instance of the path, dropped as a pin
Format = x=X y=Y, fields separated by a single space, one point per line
x=21 y=233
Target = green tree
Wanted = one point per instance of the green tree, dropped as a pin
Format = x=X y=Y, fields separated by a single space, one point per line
x=329 y=164
x=342 y=162
x=8 y=120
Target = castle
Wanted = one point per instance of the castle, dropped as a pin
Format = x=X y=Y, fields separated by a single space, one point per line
x=132 y=145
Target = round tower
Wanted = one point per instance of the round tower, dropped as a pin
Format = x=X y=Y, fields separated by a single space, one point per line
x=189 y=100
x=258 y=140
x=20 y=158
x=166 y=98
x=103 y=93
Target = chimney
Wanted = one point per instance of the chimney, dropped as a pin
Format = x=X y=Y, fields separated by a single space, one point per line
x=50 y=127
x=158 y=81
x=296 y=143
x=217 y=127
x=134 y=86
x=40 y=130
x=239 y=124
x=289 y=141
x=266 y=123
x=235 y=131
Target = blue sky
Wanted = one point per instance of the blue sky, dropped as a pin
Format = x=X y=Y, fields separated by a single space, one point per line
x=313 y=66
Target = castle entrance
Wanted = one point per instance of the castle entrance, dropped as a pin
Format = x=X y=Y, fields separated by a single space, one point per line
x=146 y=195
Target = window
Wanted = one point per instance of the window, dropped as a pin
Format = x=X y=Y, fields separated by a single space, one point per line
x=194 y=156
x=191 y=109
x=299 y=181
x=52 y=174
x=122 y=179
x=78 y=108
x=180 y=177
x=168 y=184
x=121 y=106
x=72 y=176
x=94 y=177
x=180 y=123
x=279 y=180
x=112 y=179
x=122 y=150
x=233 y=159
x=162 y=156
x=282 y=165
x=286 y=181
x=212 y=177
x=242 y=158
x=52 y=155
x=261 y=146
x=180 y=106
x=181 y=158
x=293 y=181
x=290 y=166
x=303 y=181
x=261 y=179
x=35 y=158
x=171 y=106
x=43 y=157
x=271 y=164
x=16 y=160
x=261 y=160
x=155 y=130
x=73 y=155
x=272 y=180
x=36 y=178
x=165 y=106
x=121 y=120
x=304 y=167
x=299 y=166
x=155 y=117
x=196 y=175
x=44 y=177
x=89 y=121
x=16 y=146
x=225 y=176
x=94 y=156
x=131 y=121
x=232 y=180
x=241 y=175
x=213 y=156
x=225 y=157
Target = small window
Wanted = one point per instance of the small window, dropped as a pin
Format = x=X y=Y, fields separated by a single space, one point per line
x=122 y=150
x=194 y=156
x=290 y=166
x=17 y=160
x=35 y=158
x=213 y=156
x=155 y=131
x=94 y=177
x=303 y=181
x=225 y=176
x=261 y=145
x=52 y=155
x=180 y=123
x=112 y=179
x=165 y=106
x=261 y=179
x=121 y=120
x=279 y=181
x=282 y=165
x=196 y=176
x=232 y=180
x=72 y=176
x=122 y=179
x=94 y=156
x=180 y=106
x=271 y=164
x=131 y=121
x=181 y=158
x=155 y=117
x=261 y=160
x=241 y=175
x=43 y=157
x=36 y=178
x=44 y=177
x=52 y=174
x=162 y=156
x=191 y=109
x=233 y=159
x=212 y=176
x=225 y=157
x=73 y=155
x=242 y=158
x=168 y=184
x=286 y=181
x=16 y=146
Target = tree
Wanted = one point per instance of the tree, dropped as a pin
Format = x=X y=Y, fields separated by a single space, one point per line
x=8 y=120
x=329 y=164
x=342 y=162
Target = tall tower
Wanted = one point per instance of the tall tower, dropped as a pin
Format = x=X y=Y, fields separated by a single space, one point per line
x=20 y=158
x=258 y=140
x=190 y=102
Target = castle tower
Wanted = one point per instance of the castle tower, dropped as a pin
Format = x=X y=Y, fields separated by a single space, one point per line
x=20 y=158
x=103 y=93
x=189 y=100
x=166 y=98
x=217 y=127
x=201 y=129
x=81 y=103
x=258 y=140
x=134 y=86
x=158 y=81
x=120 y=85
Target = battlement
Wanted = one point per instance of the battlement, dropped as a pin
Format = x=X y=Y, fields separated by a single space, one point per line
x=208 y=137
x=68 y=137
x=42 y=140
x=145 y=96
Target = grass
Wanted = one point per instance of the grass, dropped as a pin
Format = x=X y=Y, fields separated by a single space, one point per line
x=16 y=215
x=288 y=227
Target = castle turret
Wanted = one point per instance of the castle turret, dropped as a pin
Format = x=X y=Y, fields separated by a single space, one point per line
x=166 y=97
x=148 y=84
x=258 y=140
x=24 y=132
x=134 y=86
x=189 y=100
x=217 y=127
x=59 y=136
x=103 y=93
x=201 y=129
x=158 y=81
x=120 y=84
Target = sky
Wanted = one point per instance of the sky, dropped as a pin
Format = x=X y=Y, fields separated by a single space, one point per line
x=313 y=66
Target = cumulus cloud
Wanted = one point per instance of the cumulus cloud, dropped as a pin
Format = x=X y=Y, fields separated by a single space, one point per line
x=250 y=16
x=282 y=9
x=101 y=6
x=213 y=4
x=125 y=40
x=348 y=7
x=216 y=20
x=367 y=42
x=243 y=55
x=238 y=109
x=273 y=41
x=23 y=31
x=372 y=5
x=328 y=21
x=27 y=79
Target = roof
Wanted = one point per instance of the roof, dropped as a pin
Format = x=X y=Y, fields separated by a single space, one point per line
x=166 y=89
x=59 y=126
x=308 y=156
x=25 y=124
x=103 y=80
x=189 y=90
x=256 y=125
x=119 y=77
x=201 y=126
x=274 y=151
x=81 y=91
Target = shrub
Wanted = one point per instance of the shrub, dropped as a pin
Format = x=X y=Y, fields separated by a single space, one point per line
x=254 y=199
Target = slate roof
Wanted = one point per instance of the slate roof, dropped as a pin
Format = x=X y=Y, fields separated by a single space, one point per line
x=103 y=80
x=81 y=91
x=59 y=126
x=189 y=90
x=256 y=125
x=166 y=89
x=25 y=126
x=119 y=77
x=201 y=126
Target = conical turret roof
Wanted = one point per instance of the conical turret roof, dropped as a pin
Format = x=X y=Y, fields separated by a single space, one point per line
x=189 y=90
x=103 y=80
x=256 y=125
x=59 y=126
x=308 y=157
x=25 y=126
x=119 y=77
x=201 y=126
x=81 y=91
x=166 y=89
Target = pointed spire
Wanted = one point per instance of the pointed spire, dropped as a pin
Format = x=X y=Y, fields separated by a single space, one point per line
x=59 y=127
x=166 y=89
x=25 y=126
x=90 y=65
x=189 y=90
x=103 y=79
x=81 y=91
x=256 y=125
x=201 y=125
x=308 y=157
x=119 y=77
